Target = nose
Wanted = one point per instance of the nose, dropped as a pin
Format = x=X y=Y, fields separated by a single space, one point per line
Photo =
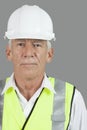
x=28 y=51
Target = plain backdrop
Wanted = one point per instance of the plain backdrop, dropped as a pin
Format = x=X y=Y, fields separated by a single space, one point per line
x=70 y=26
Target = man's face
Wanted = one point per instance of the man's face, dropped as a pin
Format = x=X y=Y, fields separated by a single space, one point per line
x=29 y=56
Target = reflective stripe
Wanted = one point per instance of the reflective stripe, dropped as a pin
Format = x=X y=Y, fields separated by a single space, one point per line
x=58 y=117
x=2 y=84
x=62 y=105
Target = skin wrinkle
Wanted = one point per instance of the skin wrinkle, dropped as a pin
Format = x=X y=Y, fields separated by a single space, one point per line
x=29 y=57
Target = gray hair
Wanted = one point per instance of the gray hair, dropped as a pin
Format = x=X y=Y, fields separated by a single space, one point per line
x=49 y=44
x=9 y=42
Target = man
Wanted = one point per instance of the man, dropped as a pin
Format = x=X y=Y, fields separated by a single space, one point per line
x=31 y=99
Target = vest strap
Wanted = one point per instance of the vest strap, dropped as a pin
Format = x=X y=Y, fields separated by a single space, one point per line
x=58 y=117
x=2 y=84
x=62 y=105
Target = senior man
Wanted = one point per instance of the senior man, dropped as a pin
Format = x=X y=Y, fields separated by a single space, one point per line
x=31 y=100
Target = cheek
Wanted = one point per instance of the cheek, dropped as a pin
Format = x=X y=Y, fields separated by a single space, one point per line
x=15 y=56
x=43 y=58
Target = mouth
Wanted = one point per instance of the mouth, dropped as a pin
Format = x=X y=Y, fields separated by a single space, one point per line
x=28 y=64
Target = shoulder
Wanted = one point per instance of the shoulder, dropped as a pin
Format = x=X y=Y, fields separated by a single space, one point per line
x=77 y=97
x=2 y=84
x=64 y=84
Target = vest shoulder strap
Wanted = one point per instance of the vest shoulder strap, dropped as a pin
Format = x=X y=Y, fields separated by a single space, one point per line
x=2 y=84
x=62 y=105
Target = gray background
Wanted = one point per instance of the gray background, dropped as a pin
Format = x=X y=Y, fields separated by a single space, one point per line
x=70 y=25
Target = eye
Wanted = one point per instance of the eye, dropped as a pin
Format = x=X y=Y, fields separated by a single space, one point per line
x=22 y=44
x=37 y=44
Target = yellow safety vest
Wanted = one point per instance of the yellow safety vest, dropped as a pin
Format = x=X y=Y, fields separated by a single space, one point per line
x=51 y=111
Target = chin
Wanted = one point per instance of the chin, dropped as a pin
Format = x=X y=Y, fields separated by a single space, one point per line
x=30 y=74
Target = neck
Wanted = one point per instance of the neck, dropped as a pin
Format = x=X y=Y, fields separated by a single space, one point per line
x=28 y=87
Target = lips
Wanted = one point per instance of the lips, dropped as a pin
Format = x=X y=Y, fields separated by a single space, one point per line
x=26 y=64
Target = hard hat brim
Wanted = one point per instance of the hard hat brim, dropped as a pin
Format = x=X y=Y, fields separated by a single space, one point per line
x=12 y=35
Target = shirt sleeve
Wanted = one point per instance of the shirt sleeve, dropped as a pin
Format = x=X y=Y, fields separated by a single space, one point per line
x=79 y=113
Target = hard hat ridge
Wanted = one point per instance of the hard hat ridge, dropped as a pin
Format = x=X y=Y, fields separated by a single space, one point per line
x=30 y=22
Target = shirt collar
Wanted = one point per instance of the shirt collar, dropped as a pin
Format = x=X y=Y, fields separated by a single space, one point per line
x=11 y=83
x=48 y=85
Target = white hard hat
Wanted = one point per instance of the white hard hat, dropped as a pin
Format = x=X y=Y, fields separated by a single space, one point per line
x=30 y=22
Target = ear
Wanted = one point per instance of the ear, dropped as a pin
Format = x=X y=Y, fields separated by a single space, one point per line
x=50 y=55
x=8 y=53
